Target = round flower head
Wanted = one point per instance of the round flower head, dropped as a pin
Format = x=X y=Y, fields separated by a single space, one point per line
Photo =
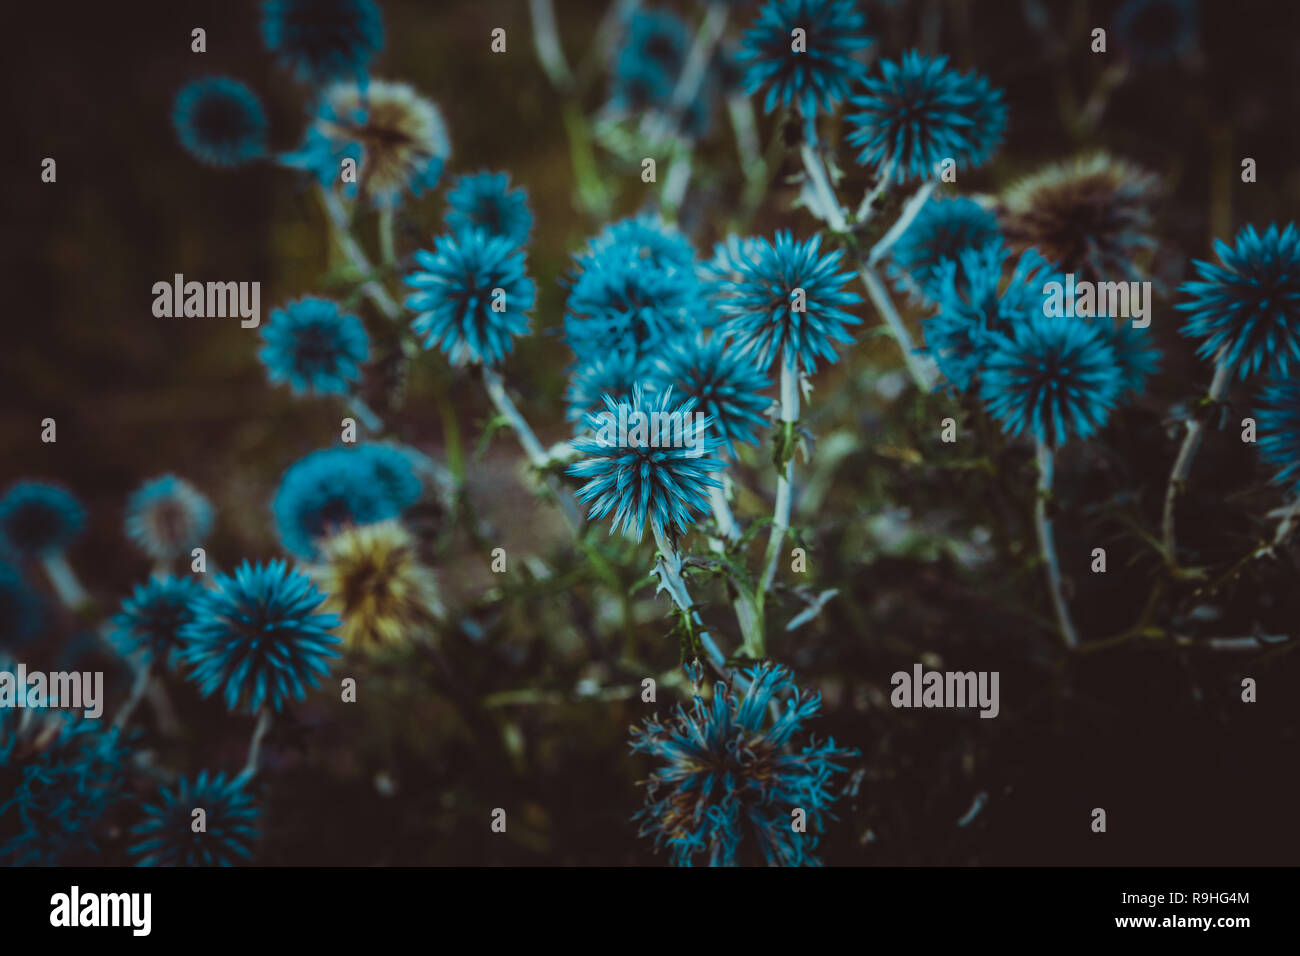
x=1136 y=357
x=471 y=297
x=22 y=612
x=1155 y=32
x=220 y=122
x=38 y=519
x=812 y=70
x=1248 y=308
x=166 y=836
x=1279 y=431
x=649 y=61
x=788 y=303
x=616 y=373
x=1054 y=375
x=730 y=775
x=646 y=462
x=321 y=40
x=722 y=381
x=315 y=347
x=257 y=639
x=942 y=231
x=486 y=201
x=151 y=619
x=918 y=112
x=1089 y=216
x=167 y=518
x=649 y=239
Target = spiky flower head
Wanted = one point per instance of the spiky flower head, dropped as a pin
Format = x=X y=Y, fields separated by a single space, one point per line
x=485 y=201
x=315 y=347
x=322 y=40
x=919 y=112
x=616 y=373
x=647 y=461
x=257 y=638
x=220 y=121
x=166 y=835
x=813 y=70
x=650 y=58
x=723 y=382
x=646 y=238
x=151 y=619
x=1279 y=431
x=1248 y=309
x=942 y=231
x=22 y=612
x=39 y=519
x=1090 y=216
x=787 y=303
x=167 y=517
x=731 y=775
x=1155 y=32
x=472 y=296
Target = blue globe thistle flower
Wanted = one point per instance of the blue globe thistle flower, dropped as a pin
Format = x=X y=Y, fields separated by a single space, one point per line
x=647 y=238
x=647 y=461
x=919 y=112
x=1156 y=32
x=457 y=286
x=39 y=519
x=322 y=40
x=759 y=307
x=942 y=231
x=151 y=619
x=731 y=775
x=256 y=638
x=1248 y=308
x=817 y=77
x=597 y=376
x=315 y=347
x=722 y=381
x=486 y=201
x=650 y=60
x=1279 y=431
x=220 y=122
x=1054 y=375
x=166 y=837
x=22 y=612
x=167 y=517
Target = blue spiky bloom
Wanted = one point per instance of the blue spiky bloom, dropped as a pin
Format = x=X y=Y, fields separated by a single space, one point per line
x=39 y=519
x=818 y=77
x=166 y=837
x=22 y=612
x=650 y=59
x=647 y=238
x=942 y=231
x=256 y=638
x=758 y=306
x=724 y=383
x=1248 y=308
x=593 y=378
x=315 y=347
x=919 y=112
x=486 y=201
x=1053 y=375
x=731 y=775
x=1155 y=32
x=1279 y=431
x=151 y=619
x=454 y=298
x=321 y=40
x=167 y=517
x=220 y=121
x=644 y=475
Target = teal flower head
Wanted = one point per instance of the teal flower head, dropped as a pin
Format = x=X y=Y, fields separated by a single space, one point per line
x=315 y=347
x=150 y=622
x=322 y=40
x=167 y=517
x=220 y=122
x=39 y=519
x=486 y=201
x=723 y=382
x=166 y=836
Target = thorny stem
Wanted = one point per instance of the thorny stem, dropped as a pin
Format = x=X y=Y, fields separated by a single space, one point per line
x=722 y=513
x=1047 y=543
x=917 y=367
x=784 y=482
x=1187 y=452
x=915 y=203
x=823 y=194
x=255 y=745
x=866 y=208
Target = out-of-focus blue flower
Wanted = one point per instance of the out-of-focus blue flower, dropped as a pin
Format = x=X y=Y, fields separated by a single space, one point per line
x=167 y=517
x=151 y=619
x=820 y=74
x=648 y=460
x=919 y=112
x=220 y=122
x=321 y=40
x=1155 y=32
x=166 y=837
x=472 y=296
x=591 y=380
x=942 y=231
x=1053 y=375
x=1248 y=309
x=723 y=382
x=39 y=519
x=1279 y=431
x=22 y=612
x=315 y=347
x=761 y=308
x=256 y=638
x=647 y=238
x=486 y=201
x=650 y=60
x=1136 y=356
x=731 y=775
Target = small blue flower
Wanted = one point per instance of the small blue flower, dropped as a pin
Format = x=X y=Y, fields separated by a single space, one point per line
x=1155 y=32
x=942 y=231
x=591 y=380
x=761 y=308
x=22 y=612
x=166 y=836
x=814 y=75
x=1279 y=431
x=647 y=462
x=723 y=382
x=321 y=40
x=38 y=519
x=1248 y=309
x=486 y=201
x=458 y=286
x=315 y=347
x=151 y=619
x=256 y=638
x=168 y=517
x=220 y=122
x=919 y=112
x=731 y=775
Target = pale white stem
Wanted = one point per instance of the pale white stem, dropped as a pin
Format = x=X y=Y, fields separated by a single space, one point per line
x=1187 y=453
x=911 y=209
x=387 y=248
x=669 y=568
x=917 y=366
x=866 y=208
x=784 y=483
x=372 y=289
x=138 y=686
x=722 y=512
x=745 y=127
x=255 y=745
x=826 y=205
x=546 y=41
x=365 y=414
x=1047 y=544
x=679 y=178
x=64 y=581
x=693 y=73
